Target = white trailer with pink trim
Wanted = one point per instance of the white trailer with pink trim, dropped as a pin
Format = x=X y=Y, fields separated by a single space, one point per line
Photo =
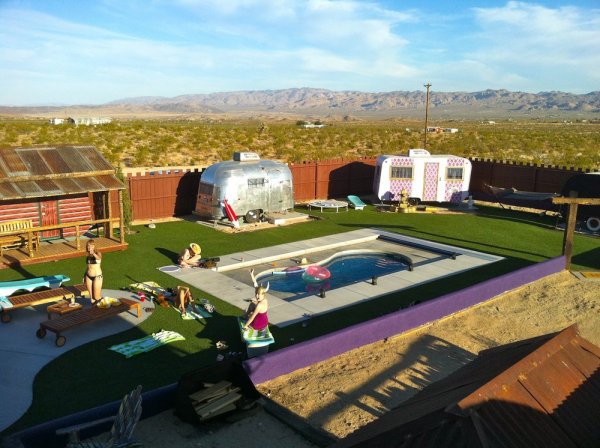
x=424 y=177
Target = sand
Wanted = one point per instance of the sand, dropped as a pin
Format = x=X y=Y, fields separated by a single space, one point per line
x=344 y=393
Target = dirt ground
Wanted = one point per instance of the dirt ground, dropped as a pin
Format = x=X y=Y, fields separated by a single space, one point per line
x=344 y=393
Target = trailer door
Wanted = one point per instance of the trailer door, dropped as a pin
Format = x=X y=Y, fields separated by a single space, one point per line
x=275 y=190
x=430 y=183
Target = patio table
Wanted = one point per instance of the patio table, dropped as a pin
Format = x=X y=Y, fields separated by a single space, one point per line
x=329 y=203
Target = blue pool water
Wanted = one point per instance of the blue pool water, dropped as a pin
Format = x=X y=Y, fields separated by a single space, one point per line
x=345 y=270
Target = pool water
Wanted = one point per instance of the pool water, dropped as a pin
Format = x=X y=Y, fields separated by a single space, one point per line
x=345 y=270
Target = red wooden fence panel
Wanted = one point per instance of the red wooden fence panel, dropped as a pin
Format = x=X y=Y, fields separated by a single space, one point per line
x=304 y=177
x=163 y=194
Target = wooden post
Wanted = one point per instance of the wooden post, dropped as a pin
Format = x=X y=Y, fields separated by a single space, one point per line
x=569 y=231
x=121 y=223
x=109 y=208
x=573 y=202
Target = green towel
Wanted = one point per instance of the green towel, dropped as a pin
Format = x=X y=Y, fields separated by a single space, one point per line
x=147 y=343
x=194 y=312
x=255 y=338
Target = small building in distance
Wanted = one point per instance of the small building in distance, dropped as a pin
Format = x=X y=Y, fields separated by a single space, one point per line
x=89 y=121
x=56 y=121
x=310 y=124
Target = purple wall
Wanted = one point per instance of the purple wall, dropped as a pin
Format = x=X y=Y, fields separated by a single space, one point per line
x=284 y=361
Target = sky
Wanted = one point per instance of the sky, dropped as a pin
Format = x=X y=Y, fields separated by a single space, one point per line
x=65 y=52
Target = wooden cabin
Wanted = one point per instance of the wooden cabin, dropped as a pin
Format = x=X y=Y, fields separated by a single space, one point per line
x=52 y=199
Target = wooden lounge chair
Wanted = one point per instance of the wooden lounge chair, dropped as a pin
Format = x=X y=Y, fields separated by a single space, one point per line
x=38 y=298
x=122 y=429
x=356 y=202
x=84 y=316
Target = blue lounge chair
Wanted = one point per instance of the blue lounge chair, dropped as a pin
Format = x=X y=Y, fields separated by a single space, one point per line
x=356 y=202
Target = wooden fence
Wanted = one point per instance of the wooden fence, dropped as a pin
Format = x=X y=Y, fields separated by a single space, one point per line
x=166 y=193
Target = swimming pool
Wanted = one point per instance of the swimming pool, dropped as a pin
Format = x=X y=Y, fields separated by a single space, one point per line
x=342 y=269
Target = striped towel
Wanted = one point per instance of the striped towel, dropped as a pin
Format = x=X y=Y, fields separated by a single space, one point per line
x=147 y=343
x=255 y=338
x=193 y=312
x=5 y=303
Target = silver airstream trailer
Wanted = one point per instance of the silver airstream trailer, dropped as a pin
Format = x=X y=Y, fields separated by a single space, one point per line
x=251 y=186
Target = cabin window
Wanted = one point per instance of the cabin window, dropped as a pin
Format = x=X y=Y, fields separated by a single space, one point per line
x=256 y=182
x=401 y=172
x=455 y=173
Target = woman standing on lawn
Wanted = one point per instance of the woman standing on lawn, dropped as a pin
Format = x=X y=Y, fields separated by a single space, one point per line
x=93 y=273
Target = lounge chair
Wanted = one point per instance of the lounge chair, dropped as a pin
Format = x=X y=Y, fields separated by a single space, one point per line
x=122 y=429
x=356 y=202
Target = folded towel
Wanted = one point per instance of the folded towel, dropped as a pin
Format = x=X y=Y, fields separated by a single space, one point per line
x=255 y=338
x=5 y=303
x=147 y=343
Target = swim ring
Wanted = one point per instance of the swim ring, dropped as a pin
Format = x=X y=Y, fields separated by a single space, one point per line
x=315 y=273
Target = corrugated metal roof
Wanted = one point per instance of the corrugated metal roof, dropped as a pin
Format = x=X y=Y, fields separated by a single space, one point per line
x=543 y=391
x=33 y=172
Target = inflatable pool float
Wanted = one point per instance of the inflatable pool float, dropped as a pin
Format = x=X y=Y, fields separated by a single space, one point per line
x=315 y=274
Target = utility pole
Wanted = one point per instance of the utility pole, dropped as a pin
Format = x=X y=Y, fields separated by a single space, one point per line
x=428 y=85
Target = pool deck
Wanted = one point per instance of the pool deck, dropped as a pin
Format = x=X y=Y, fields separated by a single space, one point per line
x=283 y=313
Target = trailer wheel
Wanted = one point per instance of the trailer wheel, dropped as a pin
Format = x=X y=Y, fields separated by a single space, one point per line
x=40 y=333
x=252 y=216
x=593 y=224
x=413 y=201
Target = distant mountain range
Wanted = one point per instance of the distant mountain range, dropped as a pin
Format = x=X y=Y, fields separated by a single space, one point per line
x=328 y=103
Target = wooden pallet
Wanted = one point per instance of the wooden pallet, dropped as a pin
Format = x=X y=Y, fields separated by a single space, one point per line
x=215 y=400
x=84 y=316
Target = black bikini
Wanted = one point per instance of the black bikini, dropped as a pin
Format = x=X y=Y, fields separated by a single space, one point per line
x=92 y=260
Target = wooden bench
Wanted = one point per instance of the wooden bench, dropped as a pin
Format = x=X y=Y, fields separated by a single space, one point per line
x=18 y=233
x=84 y=316
x=41 y=297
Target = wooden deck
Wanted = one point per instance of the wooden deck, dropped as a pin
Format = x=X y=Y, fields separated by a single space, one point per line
x=56 y=250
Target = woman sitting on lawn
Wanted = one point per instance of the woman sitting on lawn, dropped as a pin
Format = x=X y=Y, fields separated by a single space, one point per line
x=190 y=256
x=256 y=314
x=183 y=299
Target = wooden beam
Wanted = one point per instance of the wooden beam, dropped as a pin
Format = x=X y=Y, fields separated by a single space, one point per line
x=570 y=228
x=121 y=217
x=575 y=200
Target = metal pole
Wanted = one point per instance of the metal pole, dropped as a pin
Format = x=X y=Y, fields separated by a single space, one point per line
x=428 y=85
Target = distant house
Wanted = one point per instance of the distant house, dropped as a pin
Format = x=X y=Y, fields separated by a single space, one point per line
x=89 y=121
x=56 y=121
x=309 y=124
x=439 y=130
x=451 y=130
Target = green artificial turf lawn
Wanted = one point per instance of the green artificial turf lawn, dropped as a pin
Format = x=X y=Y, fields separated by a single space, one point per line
x=91 y=375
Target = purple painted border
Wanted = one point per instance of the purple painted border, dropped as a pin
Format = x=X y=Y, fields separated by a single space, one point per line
x=284 y=361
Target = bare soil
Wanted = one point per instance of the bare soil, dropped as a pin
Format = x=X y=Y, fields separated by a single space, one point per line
x=344 y=393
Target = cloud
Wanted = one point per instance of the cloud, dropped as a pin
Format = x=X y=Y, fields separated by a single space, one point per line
x=524 y=36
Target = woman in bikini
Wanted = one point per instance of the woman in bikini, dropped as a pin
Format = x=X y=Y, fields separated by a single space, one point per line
x=93 y=273
x=256 y=314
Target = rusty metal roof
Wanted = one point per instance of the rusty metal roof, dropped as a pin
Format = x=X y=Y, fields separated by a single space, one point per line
x=43 y=171
x=543 y=391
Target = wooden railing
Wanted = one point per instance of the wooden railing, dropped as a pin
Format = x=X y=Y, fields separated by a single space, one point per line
x=106 y=223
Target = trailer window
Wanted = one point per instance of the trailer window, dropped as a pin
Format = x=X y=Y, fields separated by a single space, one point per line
x=257 y=182
x=401 y=172
x=455 y=173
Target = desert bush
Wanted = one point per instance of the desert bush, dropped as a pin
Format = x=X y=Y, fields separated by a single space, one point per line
x=155 y=142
